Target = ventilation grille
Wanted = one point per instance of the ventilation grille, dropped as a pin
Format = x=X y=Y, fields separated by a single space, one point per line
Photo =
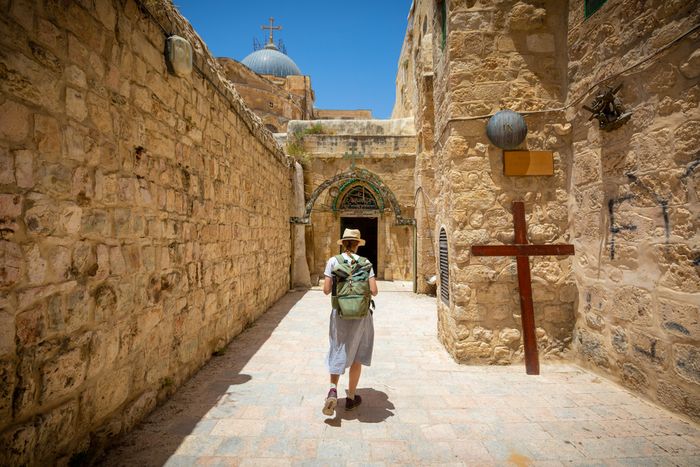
x=444 y=269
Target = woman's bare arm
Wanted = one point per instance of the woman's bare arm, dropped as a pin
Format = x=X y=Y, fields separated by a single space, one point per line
x=327 y=285
x=373 y=286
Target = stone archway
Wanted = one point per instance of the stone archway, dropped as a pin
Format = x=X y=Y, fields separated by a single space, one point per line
x=361 y=175
x=393 y=250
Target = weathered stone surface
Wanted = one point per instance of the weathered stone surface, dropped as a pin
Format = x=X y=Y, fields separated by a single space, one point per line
x=595 y=321
x=691 y=68
x=510 y=337
x=633 y=304
x=467 y=351
x=10 y=205
x=679 y=398
x=648 y=349
x=540 y=43
x=634 y=377
x=681 y=319
x=687 y=139
x=65 y=372
x=110 y=393
x=15 y=122
x=526 y=17
x=114 y=173
x=619 y=339
x=11 y=261
x=24 y=169
x=686 y=362
x=592 y=349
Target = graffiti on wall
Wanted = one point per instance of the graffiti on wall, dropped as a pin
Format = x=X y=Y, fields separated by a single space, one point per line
x=661 y=201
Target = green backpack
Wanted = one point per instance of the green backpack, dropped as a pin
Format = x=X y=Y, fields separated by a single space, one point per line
x=351 y=294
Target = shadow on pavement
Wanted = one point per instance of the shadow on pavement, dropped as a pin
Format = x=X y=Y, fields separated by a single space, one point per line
x=376 y=408
x=159 y=435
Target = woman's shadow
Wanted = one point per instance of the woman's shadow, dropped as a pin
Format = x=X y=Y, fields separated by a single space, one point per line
x=375 y=408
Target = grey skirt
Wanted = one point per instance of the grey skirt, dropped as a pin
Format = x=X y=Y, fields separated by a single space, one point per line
x=351 y=340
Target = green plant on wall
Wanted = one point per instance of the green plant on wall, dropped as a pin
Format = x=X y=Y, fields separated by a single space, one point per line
x=316 y=129
x=295 y=142
x=295 y=145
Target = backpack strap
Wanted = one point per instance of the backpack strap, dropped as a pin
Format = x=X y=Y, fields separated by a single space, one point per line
x=340 y=260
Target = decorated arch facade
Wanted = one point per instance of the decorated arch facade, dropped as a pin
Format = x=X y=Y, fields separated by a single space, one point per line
x=358 y=177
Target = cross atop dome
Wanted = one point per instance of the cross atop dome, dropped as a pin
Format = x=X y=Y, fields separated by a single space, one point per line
x=270 y=60
x=272 y=28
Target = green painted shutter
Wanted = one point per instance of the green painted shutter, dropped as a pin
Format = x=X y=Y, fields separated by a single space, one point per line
x=591 y=6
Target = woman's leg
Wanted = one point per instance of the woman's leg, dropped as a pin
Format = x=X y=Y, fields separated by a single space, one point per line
x=355 y=371
x=332 y=397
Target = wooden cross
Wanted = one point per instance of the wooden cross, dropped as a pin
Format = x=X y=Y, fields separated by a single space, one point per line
x=522 y=251
x=353 y=156
x=271 y=28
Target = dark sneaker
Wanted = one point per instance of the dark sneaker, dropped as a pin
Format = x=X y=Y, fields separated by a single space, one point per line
x=331 y=402
x=351 y=404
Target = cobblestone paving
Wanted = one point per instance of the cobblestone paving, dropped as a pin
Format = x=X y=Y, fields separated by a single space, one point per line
x=260 y=404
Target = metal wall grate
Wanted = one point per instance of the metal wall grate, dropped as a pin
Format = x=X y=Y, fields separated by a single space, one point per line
x=444 y=268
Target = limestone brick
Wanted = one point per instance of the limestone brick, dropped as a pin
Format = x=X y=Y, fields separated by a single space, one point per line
x=64 y=373
x=649 y=306
x=686 y=362
x=111 y=218
x=680 y=319
x=15 y=122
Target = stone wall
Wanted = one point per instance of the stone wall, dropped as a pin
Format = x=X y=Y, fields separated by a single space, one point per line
x=388 y=147
x=636 y=226
x=138 y=212
x=275 y=100
x=339 y=114
x=500 y=55
x=414 y=96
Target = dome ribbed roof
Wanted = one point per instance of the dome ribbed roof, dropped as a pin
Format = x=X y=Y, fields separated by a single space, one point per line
x=270 y=61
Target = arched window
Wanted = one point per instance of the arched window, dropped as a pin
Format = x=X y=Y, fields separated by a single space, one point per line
x=444 y=268
x=359 y=197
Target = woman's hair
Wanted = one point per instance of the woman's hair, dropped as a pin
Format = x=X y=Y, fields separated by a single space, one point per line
x=349 y=245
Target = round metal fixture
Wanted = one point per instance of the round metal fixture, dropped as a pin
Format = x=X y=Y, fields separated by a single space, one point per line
x=506 y=129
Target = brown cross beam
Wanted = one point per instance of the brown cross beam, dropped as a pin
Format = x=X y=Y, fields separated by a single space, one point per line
x=522 y=250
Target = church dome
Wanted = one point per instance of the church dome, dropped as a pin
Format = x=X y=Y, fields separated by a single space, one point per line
x=270 y=61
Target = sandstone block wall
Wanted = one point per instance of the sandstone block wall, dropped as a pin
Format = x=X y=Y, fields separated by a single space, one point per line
x=500 y=55
x=138 y=214
x=635 y=202
x=275 y=100
x=414 y=96
x=333 y=114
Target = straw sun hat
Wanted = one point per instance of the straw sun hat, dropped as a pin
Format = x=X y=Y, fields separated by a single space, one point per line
x=351 y=234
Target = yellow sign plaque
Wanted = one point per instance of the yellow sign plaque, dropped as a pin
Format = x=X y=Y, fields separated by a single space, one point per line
x=528 y=163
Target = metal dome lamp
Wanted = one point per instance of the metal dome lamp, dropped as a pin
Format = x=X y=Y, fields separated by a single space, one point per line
x=506 y=129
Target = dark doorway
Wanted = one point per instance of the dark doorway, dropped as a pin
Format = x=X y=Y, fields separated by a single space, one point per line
x=368 y=230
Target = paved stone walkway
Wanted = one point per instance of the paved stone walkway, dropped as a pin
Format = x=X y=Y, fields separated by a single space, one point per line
x=260 y=404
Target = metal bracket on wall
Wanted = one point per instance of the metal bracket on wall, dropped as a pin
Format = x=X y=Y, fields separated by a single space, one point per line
x=607 y=108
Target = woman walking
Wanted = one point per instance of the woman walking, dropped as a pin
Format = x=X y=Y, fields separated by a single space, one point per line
x=351 y=340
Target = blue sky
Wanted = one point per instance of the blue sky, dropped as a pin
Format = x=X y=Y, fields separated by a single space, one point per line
x=349 y=48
